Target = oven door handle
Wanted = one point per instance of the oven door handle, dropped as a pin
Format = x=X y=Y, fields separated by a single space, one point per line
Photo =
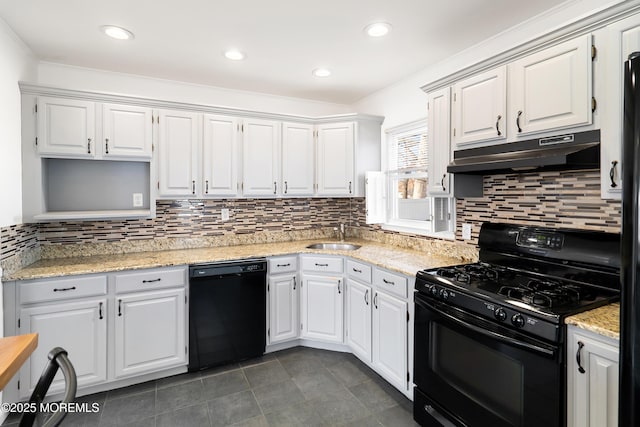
x=486 y=333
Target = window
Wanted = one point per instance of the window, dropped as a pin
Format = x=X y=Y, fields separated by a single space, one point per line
x=407 y=206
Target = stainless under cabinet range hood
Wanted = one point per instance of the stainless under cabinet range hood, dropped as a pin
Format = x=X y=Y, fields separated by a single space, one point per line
x=564 y=152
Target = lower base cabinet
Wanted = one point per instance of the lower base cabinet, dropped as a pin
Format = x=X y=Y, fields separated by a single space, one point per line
x=592 y=379
x=321 y=308
x=149 y=331
x=80 y=328
x=390 y=358
x=359 y=320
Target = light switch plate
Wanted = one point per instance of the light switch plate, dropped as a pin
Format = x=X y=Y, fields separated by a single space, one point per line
x=224 y=214
x=466 y=231
x=138 y=201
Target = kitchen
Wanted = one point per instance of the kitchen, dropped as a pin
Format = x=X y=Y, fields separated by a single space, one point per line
x=192 y=217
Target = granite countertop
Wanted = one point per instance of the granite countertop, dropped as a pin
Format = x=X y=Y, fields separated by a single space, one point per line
x=603 y=320
x=406 y=261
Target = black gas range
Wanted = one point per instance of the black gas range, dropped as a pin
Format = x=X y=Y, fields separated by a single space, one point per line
x=489 y=336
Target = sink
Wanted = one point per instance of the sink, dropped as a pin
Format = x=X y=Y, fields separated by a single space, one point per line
x=334 y=246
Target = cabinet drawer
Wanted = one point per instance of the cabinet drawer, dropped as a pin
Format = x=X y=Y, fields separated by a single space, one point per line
x=61 y=289
x=282 y=264
x=359 y=271
x=391 y=282
x=322 y=264
x=150 y=279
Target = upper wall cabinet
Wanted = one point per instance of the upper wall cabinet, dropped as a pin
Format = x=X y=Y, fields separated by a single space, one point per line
x=178 y=142
x=68 y=128
x=127 y=131
x=479 y=108
x=298 y=160
x=552 y=89
x=623 y=38
x=335 y=159
x=260 y=157
x=439 y=142
x=220 y=156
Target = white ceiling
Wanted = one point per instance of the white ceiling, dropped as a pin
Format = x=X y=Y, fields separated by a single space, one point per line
x=284 y=39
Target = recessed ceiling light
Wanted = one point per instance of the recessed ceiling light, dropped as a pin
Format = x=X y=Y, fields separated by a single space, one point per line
x=234 y=55
x=117 y=32
x=321 y=72
x=377 y=29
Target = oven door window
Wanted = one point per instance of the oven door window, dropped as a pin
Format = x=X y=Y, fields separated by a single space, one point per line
x=484 y=375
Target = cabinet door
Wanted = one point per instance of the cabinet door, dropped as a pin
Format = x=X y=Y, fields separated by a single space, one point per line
x=439 y=142
x=260 y=166
x=359 y=319
x=66 y=127
x=623 y=38
x=479 y=107
x=322 y=307
x=177 y=153
x=283 y=308
x=552 y=89
x=593 y=394
x=390 y=339
x=220 y=156
x=78 y=327
x=127 y=131
x=149 y=331
x=334 y=160
x=297 y=159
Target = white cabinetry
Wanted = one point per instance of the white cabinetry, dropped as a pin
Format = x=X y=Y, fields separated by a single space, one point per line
x=479 y=108
x=322 y=299
x=260 y=157
x=219 y=156
x=551 y=89
x=126 y=131
x=335 y=159
x=592 y=379
x=283 y=299
x=68 y=313
x=178 y=139
x=66 y=127
x=623 y=38
x=439 y=142
x=358 y=313
x=298 y=159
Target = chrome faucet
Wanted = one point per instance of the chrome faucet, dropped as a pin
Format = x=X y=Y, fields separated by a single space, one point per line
x=340 y=232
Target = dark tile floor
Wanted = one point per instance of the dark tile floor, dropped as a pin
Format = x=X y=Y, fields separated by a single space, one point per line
x=295 y=387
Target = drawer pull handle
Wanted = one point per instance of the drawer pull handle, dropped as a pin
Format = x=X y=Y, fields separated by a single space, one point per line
x=283 y=265
x=356 y=270
x=388 y=282
x=339 y=282
x=73 y=288
x=152 y=280
x=366 y=297
x=498 y=125
x=580 y=368
x=119 y=307
x=375 y=301
x=612 y=173
x=518 y=121
x=294 y=283
x=322 y=265
x=100 y=311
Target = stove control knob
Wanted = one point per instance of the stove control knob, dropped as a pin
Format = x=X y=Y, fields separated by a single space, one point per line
x=433 y=290
x=444 y=294
x=517 y=320
x=500 y=314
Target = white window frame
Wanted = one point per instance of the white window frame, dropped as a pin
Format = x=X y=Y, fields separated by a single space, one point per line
x=385 y=218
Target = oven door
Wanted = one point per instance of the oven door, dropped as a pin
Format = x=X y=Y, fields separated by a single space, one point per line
x=478 y=373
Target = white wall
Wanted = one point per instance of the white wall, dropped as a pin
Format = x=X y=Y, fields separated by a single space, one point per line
x=16 y=63
x=405 y=102
x=78 y=78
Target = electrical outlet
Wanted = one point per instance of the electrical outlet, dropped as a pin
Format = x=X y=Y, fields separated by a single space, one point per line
x=466 y=231
x=224 y=214
x=138 y=202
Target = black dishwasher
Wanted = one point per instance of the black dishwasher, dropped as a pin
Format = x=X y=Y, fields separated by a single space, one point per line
x=227 y=312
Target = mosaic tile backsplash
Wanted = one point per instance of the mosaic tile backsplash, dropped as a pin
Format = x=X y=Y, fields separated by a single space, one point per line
x=568 y=199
